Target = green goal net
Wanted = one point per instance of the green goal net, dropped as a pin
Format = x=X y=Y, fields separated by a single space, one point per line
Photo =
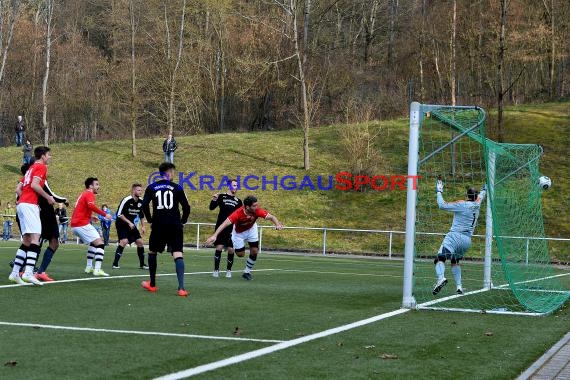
x=507 y=268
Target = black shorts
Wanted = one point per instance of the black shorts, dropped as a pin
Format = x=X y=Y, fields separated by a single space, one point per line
x=124 y=232
x=163 y=234
x=50 y=228
x=225 y=237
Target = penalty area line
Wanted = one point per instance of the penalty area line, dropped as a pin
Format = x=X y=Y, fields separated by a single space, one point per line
x=115 y=278
x=276 y=347
x=134 y=332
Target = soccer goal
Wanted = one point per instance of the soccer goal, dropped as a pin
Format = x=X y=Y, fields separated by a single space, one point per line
x=507 y=269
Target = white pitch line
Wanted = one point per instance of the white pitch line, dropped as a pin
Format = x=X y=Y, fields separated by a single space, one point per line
x=276 y=347
x=115 y=277
x=89 y=329
x=341 y=273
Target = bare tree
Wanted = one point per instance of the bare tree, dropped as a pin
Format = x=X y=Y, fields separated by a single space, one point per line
x=48 y=17
x=299 y=51
x=12 y=9
x=501 y=69
x=369 y=25
x=174 y=70
x=421 y=48
x=301 y=59
x=452 y=66
x=453 y=74
x=552 y=63
x=133 y=80
x=394 y=9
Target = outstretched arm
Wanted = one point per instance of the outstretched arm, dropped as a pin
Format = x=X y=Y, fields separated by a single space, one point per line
x=212 y=238
x=276 y=223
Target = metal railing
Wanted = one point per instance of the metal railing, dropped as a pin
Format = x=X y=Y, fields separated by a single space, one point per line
x=389 y=233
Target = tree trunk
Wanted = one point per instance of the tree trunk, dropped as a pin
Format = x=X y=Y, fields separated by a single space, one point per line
x=306 y=23
x=133 y=82
x=306 y=117
x=479 y=59
x=175 y=71
x=500 y=71
x=49 y=15
x=392 y=29
x=439 y=92
x=452 y=46
x=452 y=79
x=14 y=7
x=552 y=60
x=30 y=115
x=369 y=26
x=421 y=43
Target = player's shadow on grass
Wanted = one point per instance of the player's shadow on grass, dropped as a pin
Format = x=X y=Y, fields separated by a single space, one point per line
x=12 y=169
x=543 y=114
x=151 y=164
x=253 y=156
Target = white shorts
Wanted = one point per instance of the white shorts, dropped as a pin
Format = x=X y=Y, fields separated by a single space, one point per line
x=88 y=234
x=29 y=215
x=239 y=238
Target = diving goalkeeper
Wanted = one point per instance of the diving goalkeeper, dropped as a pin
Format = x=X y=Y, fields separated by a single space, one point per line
x=458 y=239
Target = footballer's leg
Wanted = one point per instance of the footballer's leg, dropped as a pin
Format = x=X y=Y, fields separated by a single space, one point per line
x=156 y=243
x=48 y=255
x=90 y=257
x=179 y=266
x=50 y=233
x=250 y=262
x=456 y=270
x=151 y=285
x=440 y=270
x=99 y=256
x=176 y=243
x=251 y=237
x=119 y=253
x=239 y=248
x=19 y=262
x=230 y=260
x=31 y=258
x=217 y=259
x=140 y=254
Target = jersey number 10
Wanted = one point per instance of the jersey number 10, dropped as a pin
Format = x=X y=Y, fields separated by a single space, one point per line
x=164 y=200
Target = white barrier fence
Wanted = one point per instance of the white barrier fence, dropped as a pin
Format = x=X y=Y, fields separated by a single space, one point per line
x=199 y=242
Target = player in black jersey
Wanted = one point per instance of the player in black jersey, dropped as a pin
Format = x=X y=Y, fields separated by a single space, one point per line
x=127 y=231
x=167 y=225
x=227 y=203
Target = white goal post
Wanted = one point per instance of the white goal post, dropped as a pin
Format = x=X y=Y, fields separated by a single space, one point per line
x=417 y=113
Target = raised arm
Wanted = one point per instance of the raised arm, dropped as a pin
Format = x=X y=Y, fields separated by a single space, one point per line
x=276 y=223
x=214 y=202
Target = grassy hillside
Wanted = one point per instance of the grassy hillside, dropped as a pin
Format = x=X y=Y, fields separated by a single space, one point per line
x=280 y=154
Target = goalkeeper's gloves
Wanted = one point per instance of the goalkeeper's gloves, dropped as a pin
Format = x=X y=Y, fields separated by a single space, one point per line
x=439 y=186
x=484 y=188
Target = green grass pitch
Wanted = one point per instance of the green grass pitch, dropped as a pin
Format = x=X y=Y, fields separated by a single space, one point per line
x=119 y=331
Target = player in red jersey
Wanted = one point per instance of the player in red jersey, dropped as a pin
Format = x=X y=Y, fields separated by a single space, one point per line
x=245 y=229
x=81 y=226
x=29 y=215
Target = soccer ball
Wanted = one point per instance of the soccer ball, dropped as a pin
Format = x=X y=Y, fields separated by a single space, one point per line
x=544 y=182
